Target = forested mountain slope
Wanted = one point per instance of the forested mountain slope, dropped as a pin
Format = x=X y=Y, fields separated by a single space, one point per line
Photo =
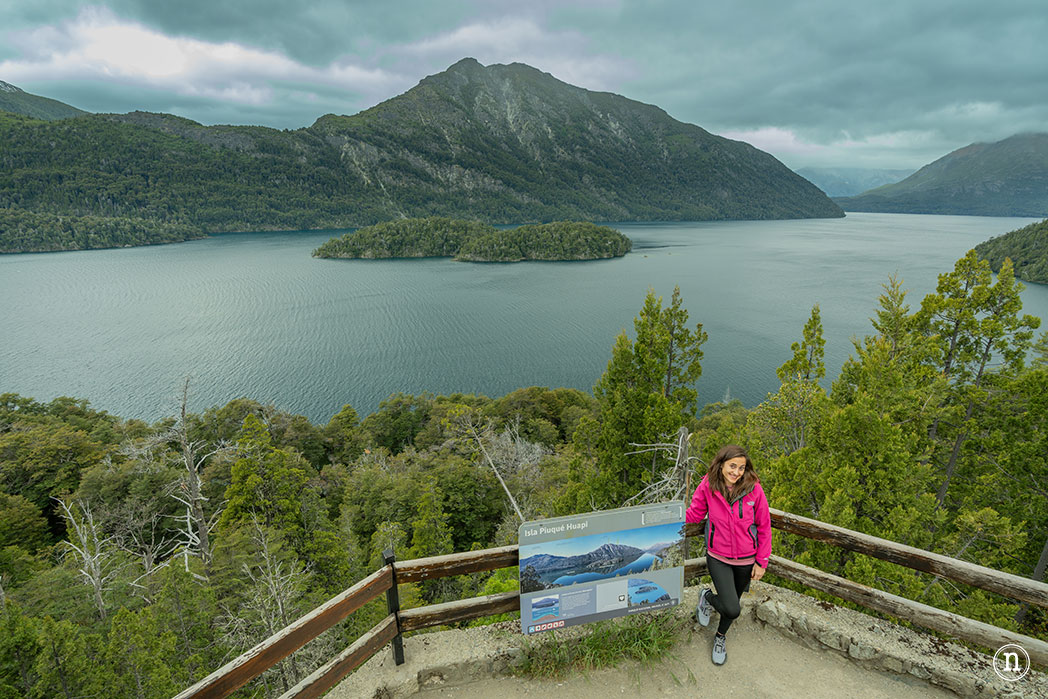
x=1027 y=248
x=503 y=144
x=1007 y=178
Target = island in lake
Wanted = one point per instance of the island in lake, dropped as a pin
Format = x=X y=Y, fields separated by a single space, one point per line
x=478 y=242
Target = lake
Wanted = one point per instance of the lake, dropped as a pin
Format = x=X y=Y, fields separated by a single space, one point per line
x=255 y=315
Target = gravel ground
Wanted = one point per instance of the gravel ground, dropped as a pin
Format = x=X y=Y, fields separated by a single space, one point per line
x=784 y=645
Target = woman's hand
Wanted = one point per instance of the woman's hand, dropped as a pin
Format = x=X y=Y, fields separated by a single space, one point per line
x=757 y=573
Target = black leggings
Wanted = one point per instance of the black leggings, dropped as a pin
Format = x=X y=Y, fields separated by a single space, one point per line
x=730 y=582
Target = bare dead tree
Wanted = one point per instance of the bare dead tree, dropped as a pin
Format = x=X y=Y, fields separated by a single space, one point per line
x=95 y=553
x=513 y=453
x=465 y=424
x=277 y=583
x=143 y=536
x=674 y=482
x=195 y=536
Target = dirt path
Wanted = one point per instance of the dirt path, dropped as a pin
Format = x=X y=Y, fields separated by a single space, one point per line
x=762 y=662
x=784 y=645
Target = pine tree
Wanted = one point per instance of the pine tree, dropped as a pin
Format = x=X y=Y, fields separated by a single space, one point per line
x=976 y=321
x=807 y=361
x=266 y=484
x=19 y=647
x=646 y=393
x=140 y=655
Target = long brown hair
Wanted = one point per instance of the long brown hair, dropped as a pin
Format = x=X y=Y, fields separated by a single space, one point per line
x=715 y=475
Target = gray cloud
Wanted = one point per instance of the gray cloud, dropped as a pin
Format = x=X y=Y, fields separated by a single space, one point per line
x=816 y=82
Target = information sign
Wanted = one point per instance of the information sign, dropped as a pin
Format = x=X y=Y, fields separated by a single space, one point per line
x=600 y=565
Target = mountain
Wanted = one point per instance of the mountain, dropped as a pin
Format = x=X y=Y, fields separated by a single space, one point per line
x=1027 y=247
x=606 y=557
x=13 y=99
x=1007 y=178
x=500 y=144
x=848 y=181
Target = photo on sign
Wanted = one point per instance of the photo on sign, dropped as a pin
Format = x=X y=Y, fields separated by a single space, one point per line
x=545 y=609
x=555 y=564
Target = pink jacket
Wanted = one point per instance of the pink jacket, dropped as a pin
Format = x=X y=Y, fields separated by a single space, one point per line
x=737 y=530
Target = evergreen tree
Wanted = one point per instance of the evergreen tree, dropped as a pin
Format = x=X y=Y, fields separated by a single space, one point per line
x=69 y=664
x=975 y=321
x=188 y=608
x=430 y=534
x=646 y=393
x=783 y=423
x=266 y=483
x=19 y=647
x=807 y=361
x=344 y=436
x=141 y=655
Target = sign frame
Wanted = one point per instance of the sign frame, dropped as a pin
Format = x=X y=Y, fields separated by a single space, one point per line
x=600 y=565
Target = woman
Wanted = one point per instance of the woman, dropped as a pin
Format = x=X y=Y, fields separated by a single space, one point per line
x=738 y=537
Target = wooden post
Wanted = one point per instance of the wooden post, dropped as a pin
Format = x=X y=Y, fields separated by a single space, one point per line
x=393 y=604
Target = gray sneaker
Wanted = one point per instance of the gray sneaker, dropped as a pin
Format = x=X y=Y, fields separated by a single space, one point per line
x=720 y=654
x=702 y=612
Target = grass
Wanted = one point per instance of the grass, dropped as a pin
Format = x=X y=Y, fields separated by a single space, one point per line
x=642 y=637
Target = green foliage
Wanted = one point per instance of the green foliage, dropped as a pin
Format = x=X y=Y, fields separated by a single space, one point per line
x=646 y=393
x=142 y=653
x=434 y=236
x=152 y=177
x=43 y=459
x=477 y=242
x=266 y=483
x=21 y=523
x=561 y=240
x=30 y=231
x=398 y=420
x=646 y=638
x=344 y=436
x=430 y=534
x=806 y=363
x=1026 y=247
x=945 y=385
x=19 y=646
x=70 y=664
x=976 y=321
x=14 y=100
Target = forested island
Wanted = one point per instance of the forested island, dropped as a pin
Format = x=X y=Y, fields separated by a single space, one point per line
x=25 y=231
x=502 y=144
x=478 y=242
x=137 y=558
x=1027 y=248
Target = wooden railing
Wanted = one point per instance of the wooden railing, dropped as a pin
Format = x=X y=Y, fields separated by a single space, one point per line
x=254 y=662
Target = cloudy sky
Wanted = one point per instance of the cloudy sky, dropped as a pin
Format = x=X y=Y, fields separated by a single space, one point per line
x=837 y=83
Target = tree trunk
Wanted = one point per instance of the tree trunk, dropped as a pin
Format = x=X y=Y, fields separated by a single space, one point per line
x=1038 y=575
x=951 y=465
x=193 y=481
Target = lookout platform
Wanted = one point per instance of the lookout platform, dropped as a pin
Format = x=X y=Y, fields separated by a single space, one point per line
x=785 y=644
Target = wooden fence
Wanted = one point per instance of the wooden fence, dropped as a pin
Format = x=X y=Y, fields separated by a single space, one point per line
x=254 y=662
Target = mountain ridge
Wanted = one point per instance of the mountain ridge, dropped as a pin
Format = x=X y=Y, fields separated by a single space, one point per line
x=1005 y=178
x=500 y=144
x=17 y=101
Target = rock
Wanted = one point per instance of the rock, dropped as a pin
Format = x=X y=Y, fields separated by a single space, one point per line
x=772 y=613
x=830 y=638
x=894 y=665
x=861 y=651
